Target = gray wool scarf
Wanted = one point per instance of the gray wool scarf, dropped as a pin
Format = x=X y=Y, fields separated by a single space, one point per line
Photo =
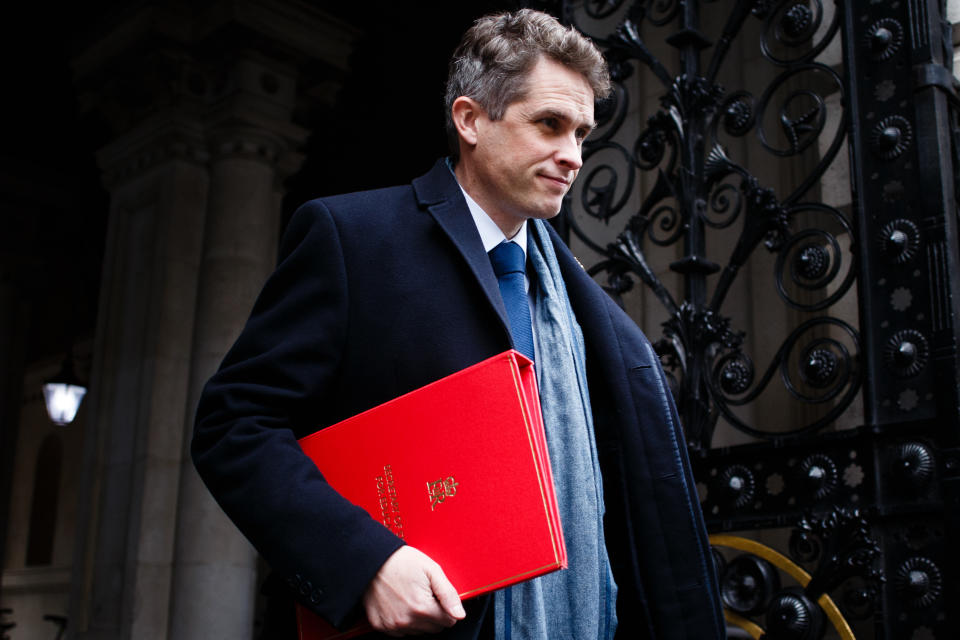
x=578 y=603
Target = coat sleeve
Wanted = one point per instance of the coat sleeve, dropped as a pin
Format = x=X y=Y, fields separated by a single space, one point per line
x=273 y=385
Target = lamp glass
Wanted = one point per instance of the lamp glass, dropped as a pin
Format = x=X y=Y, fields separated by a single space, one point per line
x=62 y=401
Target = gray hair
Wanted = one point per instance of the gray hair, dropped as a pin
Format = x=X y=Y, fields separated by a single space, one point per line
x=493 y=60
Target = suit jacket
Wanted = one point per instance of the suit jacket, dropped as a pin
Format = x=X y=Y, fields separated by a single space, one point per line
x=380 y=292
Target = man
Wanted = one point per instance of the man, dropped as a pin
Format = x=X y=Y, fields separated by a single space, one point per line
x=377 y=293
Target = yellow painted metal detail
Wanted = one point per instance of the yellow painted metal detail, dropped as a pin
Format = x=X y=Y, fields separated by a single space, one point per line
x=788 y=566
x=749 y=626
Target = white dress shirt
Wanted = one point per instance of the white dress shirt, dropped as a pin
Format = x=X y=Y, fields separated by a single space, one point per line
x=491 y=235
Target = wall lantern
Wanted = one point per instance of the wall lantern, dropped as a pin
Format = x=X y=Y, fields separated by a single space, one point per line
x=63 y=393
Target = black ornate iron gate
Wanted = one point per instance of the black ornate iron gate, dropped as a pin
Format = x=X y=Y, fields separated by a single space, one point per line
x=825 y=132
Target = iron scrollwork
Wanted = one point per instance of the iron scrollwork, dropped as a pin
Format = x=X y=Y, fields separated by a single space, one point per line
x=699 y=189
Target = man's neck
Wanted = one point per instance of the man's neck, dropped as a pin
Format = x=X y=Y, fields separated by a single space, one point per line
x=490 y=234
x=509 y=225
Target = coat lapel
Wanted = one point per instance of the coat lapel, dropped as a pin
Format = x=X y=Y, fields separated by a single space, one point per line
x=438 y=192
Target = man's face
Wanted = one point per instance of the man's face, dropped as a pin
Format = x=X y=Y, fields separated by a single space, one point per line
x=526 y=161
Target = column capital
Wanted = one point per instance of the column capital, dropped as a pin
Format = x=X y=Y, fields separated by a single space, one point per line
x=242 y=66
x=153 y=142
x=245 y=142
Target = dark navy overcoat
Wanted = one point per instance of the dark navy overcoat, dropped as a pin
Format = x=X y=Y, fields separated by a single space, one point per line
x=380 y=292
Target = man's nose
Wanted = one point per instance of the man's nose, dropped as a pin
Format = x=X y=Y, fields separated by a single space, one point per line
x=569 y=153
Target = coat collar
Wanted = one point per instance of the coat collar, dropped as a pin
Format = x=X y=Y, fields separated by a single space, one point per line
x=438 y=192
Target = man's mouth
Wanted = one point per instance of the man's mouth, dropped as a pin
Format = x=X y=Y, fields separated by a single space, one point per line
x=564 y=182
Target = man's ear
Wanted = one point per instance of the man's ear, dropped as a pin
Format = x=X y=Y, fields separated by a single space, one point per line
x=465 y=113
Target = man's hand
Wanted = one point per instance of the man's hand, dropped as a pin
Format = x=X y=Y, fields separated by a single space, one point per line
x=410 y=595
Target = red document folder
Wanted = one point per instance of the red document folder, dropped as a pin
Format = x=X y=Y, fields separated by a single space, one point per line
x=459 y=469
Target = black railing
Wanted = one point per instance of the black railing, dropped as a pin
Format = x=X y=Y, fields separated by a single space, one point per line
x=798 y=163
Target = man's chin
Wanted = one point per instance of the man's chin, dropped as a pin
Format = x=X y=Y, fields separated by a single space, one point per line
x=547 y=211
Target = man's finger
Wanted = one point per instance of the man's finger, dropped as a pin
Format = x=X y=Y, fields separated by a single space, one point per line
x=445 y=593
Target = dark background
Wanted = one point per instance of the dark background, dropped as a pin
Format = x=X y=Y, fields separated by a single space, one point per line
x=385 y=128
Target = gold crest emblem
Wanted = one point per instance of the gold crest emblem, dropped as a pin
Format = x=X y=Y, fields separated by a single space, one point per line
x=440 y=490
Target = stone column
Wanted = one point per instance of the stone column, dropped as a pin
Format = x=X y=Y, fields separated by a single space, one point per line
x=157 y=179
x=198 y=102
x=215 y=567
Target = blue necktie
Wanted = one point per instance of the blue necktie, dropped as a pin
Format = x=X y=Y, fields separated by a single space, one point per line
x=508 y=262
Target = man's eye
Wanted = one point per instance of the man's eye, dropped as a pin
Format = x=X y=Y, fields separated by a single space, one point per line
x=550 y=122
x=582 y=134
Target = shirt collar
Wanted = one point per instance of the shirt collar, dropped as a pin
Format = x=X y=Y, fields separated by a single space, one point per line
x=490 y=234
